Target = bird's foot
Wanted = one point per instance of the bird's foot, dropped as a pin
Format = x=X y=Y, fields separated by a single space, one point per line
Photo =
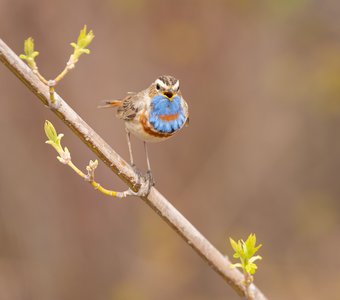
x=149 y=177
x=144 y=189
x=139 y=175
x=145 y=182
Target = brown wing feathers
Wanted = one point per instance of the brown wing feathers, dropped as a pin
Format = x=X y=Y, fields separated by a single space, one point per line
x=126 y=109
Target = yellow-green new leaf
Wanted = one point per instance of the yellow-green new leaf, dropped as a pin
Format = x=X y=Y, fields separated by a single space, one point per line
x=237 y=265
x=84 y=39
x=30 y=54
x=54 y=139
x=250 y=245
x=244 y=251
x=251 y=268
x=255 y=258
x=29 y=48
x=234 y=245
x=50 y=131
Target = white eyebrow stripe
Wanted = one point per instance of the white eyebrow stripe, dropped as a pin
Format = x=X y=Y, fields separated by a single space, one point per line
x=176 y=85
x=161 y=83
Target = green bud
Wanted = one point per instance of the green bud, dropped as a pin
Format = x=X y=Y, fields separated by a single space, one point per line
x=84 y=39
x=30 y=54
x=50 y=131
x=54 y=139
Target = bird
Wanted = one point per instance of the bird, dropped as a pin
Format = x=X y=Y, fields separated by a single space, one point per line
x=153 y=115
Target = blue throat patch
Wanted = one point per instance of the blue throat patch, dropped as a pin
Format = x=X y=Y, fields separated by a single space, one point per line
x=165 y=115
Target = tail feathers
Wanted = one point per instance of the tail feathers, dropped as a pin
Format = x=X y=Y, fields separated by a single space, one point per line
x=111 y=103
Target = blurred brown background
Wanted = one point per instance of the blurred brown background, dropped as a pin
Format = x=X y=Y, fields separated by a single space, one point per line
x=262 y=153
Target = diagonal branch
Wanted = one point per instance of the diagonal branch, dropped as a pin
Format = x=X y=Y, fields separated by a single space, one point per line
x=155 y=199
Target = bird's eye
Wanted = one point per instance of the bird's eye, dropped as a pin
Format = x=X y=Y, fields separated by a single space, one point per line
x=158 y=87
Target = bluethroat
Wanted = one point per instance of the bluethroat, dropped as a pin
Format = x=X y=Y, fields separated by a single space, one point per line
x=153 y=115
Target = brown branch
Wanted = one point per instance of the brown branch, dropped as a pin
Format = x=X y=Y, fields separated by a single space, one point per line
x=155 y=199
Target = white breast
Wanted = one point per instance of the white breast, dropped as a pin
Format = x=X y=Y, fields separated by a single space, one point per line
x=136 y=128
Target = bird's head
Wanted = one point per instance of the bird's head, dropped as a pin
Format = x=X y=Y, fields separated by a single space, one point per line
x=167 y=86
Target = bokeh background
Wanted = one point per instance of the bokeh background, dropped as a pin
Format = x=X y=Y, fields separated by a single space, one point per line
x=262 y=153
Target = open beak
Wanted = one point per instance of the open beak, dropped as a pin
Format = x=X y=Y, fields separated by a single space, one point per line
x=169 y=95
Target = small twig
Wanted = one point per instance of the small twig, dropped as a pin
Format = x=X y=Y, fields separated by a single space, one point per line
x=155 y=199
x=84 y=39
x=54 y=139
x=97 y=186
x=51 y=84
x=42 y=78
x=69 y=66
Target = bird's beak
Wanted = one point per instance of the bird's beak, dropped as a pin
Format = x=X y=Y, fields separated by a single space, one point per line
x=169 y=95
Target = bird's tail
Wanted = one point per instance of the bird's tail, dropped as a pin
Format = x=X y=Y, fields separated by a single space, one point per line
x=110 y=103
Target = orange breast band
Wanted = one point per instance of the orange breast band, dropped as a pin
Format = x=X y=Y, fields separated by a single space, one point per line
x=168 y=117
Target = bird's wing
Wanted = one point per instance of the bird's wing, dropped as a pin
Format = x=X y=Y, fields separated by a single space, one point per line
x=128 y=107
x=131 y=105
x=186 y=112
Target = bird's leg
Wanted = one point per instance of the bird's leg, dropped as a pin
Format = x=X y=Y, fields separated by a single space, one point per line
x=129 y=145
x=131 y=156
x=144 y=187
x=149 y=173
